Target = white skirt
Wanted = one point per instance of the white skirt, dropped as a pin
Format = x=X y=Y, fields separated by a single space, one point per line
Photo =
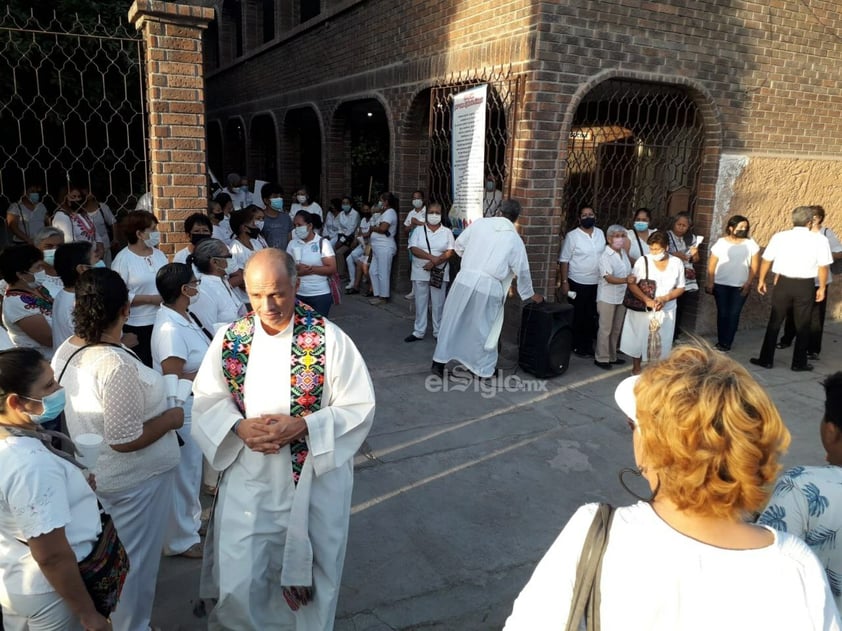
x=635 y=336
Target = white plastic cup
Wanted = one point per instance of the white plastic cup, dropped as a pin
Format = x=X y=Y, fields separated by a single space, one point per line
x=185 y=389
x=296 y=255
x=171 y=384
x=89 y=446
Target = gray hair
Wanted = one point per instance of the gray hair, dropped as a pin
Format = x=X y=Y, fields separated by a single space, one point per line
x=615 y=228
x=510 y=209
x=47 y=233
x=802 y=215
x=206 y=250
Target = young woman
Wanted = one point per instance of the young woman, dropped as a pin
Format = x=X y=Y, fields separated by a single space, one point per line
x=315 y=261
x=358 y=260
x=383 y=247
x=27 y=308
x=639 y=234
x=70 y=217
x=247 y=241
x=303 y=201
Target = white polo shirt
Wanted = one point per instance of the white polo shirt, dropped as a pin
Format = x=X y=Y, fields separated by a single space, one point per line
x=440 y=241
x=175 y=336
x=612 y=263
x=798 y=253
x=218 y=305
x=581 y=251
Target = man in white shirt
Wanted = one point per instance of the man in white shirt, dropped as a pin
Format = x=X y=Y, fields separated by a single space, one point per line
x=800 y=259
x=578 y=273
x=492 y=255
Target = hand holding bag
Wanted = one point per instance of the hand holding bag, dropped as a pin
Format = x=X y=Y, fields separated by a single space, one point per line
x=586 y=599
x=647 y=286
x=437 y=273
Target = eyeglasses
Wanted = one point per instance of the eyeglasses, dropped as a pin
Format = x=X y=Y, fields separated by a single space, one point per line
x=195 y=283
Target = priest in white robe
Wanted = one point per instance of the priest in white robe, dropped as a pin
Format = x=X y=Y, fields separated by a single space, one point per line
x=268 y=533
x=492 y=255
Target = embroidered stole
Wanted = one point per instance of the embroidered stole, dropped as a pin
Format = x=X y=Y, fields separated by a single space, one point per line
x=307 y=368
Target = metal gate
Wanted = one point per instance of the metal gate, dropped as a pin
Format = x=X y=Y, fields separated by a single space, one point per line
x=633 y=145
x=72 y=107
x=501 y=129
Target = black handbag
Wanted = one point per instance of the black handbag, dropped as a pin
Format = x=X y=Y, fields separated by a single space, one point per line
x=104 y=570
x=437 y=273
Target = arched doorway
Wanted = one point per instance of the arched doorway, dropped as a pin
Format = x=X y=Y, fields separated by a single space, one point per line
x=301 y=151
x=234 y=157
x=263 y=149
x=360 y=149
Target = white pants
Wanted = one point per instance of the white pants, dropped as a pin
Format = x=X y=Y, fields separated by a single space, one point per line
x=38 y=612
x=139 y=516
x=381 y=270
x=186 y=514
x=351 y=260
x=427 y=295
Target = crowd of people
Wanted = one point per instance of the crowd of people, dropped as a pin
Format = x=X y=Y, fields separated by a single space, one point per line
x=104 y=335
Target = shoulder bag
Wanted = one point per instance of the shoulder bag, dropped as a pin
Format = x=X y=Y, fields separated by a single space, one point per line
x=647 y=286
x=586 y=597
x=436 y=273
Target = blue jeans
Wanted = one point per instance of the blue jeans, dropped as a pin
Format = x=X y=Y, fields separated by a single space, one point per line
x=729 y=304
x=322 y=303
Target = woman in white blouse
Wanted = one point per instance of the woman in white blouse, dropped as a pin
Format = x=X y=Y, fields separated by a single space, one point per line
x=303 y=201
x=314 y=260
x=217 y=304
x=357 y=261
x=431 y=246
x=383 y=248
x=178 y=347
x=49 y=519
x=27 y=308
x=707 y=440
x=137 y=265
x=110 y=392
x=668 y=273
x=103 y=219
x=247 y=241
x=639 y=234
x=47 y=240
x=71 y=260
x=27 y=216
x=70 y=217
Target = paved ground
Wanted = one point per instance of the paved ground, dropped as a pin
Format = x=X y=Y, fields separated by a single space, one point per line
x=460 y=492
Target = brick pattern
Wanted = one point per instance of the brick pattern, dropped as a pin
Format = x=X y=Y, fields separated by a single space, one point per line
x=172 y=36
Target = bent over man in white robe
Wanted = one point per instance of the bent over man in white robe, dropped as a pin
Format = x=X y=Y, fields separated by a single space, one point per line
x=268 y=533
x=492 y=254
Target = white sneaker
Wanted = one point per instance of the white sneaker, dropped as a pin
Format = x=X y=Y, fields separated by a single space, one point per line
x=349 y=286
x=410 y=295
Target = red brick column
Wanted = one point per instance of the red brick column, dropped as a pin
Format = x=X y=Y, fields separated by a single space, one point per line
x=172 y=35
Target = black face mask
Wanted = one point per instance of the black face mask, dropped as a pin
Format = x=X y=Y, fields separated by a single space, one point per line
x=196 y=239
x=218 y=216
x=587 y=222
x=741 y=234
x=253 y=233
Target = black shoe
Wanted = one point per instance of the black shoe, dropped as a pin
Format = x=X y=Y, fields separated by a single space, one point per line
x=412 y=338
x=783 y=344
x=813 y=356
x=603 y=365
x=437 y=369
x=757 y=362
x=619 y=362
x=352 y=291
x=583 y=353
x=804 y=368
x=722 y=347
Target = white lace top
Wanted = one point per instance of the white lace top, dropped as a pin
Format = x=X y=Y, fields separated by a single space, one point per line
x=111 y=393
x=40 y=492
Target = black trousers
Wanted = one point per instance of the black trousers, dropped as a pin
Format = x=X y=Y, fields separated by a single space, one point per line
x=816 y=327
x=799 y=295
x=585 y=316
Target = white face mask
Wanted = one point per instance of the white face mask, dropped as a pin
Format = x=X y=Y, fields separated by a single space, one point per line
x=153 y=240
x=40 y=277
x=259 y=224
x=194 y=298
x=302 y=199
x=434 y=220
x=658 y=257
x=418 y=203
x=301 y=232
x=50 y=257
x=231 y=266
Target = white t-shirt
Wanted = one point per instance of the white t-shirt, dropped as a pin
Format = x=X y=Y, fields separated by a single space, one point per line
x=312 y=252
x=138 y=272
x=656 y=579
x=581 y=251
x=798 y=253
x=40 y=492
x=18 y=306
x=419 y=215
x=241 y=255
x=181 y=256
x=612 y=263
x=218 y=304
x=670 y=278
x=30 y=222
x=441 y=240
x=636 y=242
x=175 y=336
x=313 y=208
x=348 y=222
x=379 y=240
x=733 y=261
x=113 y=394
x=62 y=316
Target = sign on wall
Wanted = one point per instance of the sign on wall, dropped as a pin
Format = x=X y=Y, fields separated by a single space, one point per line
x=468 y=155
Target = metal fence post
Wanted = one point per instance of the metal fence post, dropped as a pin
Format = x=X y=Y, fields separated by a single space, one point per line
x=172 y=34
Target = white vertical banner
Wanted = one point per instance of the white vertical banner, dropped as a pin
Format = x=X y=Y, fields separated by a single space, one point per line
x=468 y=155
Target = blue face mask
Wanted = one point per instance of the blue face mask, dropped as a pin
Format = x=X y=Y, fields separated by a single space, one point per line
x=277 y=203
x=244 y=189
x=99 y=263
x=640 y=226
x=346 y=207
x=35 y=197
x=53 y=405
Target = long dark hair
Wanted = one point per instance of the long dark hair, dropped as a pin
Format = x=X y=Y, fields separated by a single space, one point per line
x=19 y=369
x=100 y=296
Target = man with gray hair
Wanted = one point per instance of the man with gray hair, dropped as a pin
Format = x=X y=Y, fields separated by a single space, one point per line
x=799 y=258
x=492 y=255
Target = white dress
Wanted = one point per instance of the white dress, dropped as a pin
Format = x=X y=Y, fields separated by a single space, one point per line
x=657 y=579
x=261 y=537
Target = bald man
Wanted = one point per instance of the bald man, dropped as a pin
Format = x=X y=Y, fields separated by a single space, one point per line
x=283 y=401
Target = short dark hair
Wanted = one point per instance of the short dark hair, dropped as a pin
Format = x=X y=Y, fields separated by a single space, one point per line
x=18 y=258
x=19 y=369
x=137 y=221
x=510 y=209
x=833 y=399
x=170 y=279
x=659 y=238
x=100 y=295
x=197 y=218
x=68 y=257
x=642 y=209
x=269 y=189
x=223 y=199
x=735 y=221
x=239 y=218
x=390 y=197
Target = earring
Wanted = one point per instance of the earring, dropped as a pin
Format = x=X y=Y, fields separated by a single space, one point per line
x=638 y=472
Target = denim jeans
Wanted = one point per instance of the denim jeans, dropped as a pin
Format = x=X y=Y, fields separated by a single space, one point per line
x=729 y=304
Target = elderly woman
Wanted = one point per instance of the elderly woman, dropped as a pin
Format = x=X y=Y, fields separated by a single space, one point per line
x=110 y=392
x=137 y=265
x=733 y=264
x=707 y=439
x=49 y=519
x=668 y=273
x=217 y=303
x=178 y=347
x=27 y=308
x=314 y=260
x=47 y=240
x=614 y=276
x=431 y=246
x=641 y=228
x=578 y=278
x=684 y=246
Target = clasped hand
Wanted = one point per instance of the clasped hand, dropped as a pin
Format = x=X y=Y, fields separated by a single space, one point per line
x=431 y=263
x=267 y=433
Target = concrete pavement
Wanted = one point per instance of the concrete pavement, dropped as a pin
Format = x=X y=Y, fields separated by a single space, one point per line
x=460 y=489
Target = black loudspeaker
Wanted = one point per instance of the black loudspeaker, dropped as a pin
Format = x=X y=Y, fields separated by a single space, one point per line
x=546 y=338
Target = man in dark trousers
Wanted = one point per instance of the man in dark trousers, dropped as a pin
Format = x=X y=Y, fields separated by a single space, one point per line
x=799 y=258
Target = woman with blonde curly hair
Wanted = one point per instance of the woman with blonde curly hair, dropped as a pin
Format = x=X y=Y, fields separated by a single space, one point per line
x=707 y=439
